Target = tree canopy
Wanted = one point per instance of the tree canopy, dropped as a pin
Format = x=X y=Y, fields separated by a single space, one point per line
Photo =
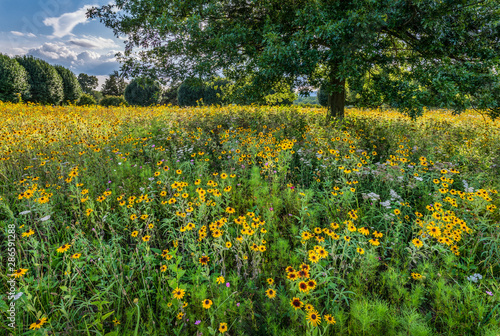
x=114 y=85
x=412 y=51
x=88 y=83
x=13 y=80
x=71 y=86
x=46 y=86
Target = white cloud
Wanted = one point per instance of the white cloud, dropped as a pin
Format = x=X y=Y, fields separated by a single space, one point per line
x=89 y=62
x=64 y=24
x=17 y=33
x=93 y=42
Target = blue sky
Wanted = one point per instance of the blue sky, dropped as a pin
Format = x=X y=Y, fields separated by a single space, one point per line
x=58 y=32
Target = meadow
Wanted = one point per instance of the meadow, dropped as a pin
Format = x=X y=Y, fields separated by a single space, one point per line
x=246 y=220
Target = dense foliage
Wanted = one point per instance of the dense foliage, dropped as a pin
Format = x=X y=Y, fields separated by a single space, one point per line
x=86 y=99
x=88 y=83
x=71 y=86
x=46 y=86
x=249 y=221
x=114 y=85
x=413 y=52
x=108 y=101
x=143 y=92
x=190 y=92
x=13 y=80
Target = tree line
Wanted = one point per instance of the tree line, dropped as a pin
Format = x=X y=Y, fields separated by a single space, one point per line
x=29 y=79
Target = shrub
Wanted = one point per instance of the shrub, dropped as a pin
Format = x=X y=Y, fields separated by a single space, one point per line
x=86 y=99
x=13 y=80
x=213 y=92
x=143 y=92
x=71 y=86
x=46 y=86
x=190 y=91
x=108 y=101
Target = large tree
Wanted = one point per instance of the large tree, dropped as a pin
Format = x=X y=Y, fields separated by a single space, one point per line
x=71 y=86
x=413 y=48
x=114 y=85
x=88 y=83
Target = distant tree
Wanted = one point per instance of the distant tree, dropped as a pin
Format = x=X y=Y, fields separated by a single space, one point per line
x=46 y=86
x=88 y=83
x=71 y=86
x=190 y=91
x=114 y=85
x=13 y=80
x=143 y=92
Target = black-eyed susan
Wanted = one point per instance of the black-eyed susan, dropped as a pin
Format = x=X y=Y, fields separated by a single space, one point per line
x=220 y=279
x=296 y=303
x=19 y=272
x=417 y=242
x=330 y=319
x=178 y=293
x=38 y=323
x=222 y=327
x=180 y=315
x=416 y=276
x=313 y=257
x=303 y=286
x=207 y=303
x=270 y=281
x=146 y=238
x=360 y=250
x=28 y=233
x=76 y=255
x=228 y=244
x=63 y=248
x=314 y=318
x=204 y=260
x=311 y=284
x=134 y=233
x=163 y=268
x=271 y=293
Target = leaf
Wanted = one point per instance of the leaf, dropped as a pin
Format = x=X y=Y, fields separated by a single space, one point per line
x=155 y=250
x=107 y=315
x=64 y=288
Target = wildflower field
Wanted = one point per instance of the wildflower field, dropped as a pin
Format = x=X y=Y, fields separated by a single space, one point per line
x=248 y=221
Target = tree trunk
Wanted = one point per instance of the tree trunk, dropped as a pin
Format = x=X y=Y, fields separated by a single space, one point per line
x=336 y=99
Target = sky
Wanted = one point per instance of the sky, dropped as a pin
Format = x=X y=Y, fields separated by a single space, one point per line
x=58 y=32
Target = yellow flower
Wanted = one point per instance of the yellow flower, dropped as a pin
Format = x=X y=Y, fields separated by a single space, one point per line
x=271 y=293
x=207 y=303
x=63 y=248
x=178 y=293
x=19 y=273
x=146 y=238
x=39 y=323
x=220 y=279
x=416 y=276
x=28 y=233
x=314 y=318
x=417 y=242
x=360 y=250
x=76 y=255
x=134 y=233
x=223 y=327
x=330 y=319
